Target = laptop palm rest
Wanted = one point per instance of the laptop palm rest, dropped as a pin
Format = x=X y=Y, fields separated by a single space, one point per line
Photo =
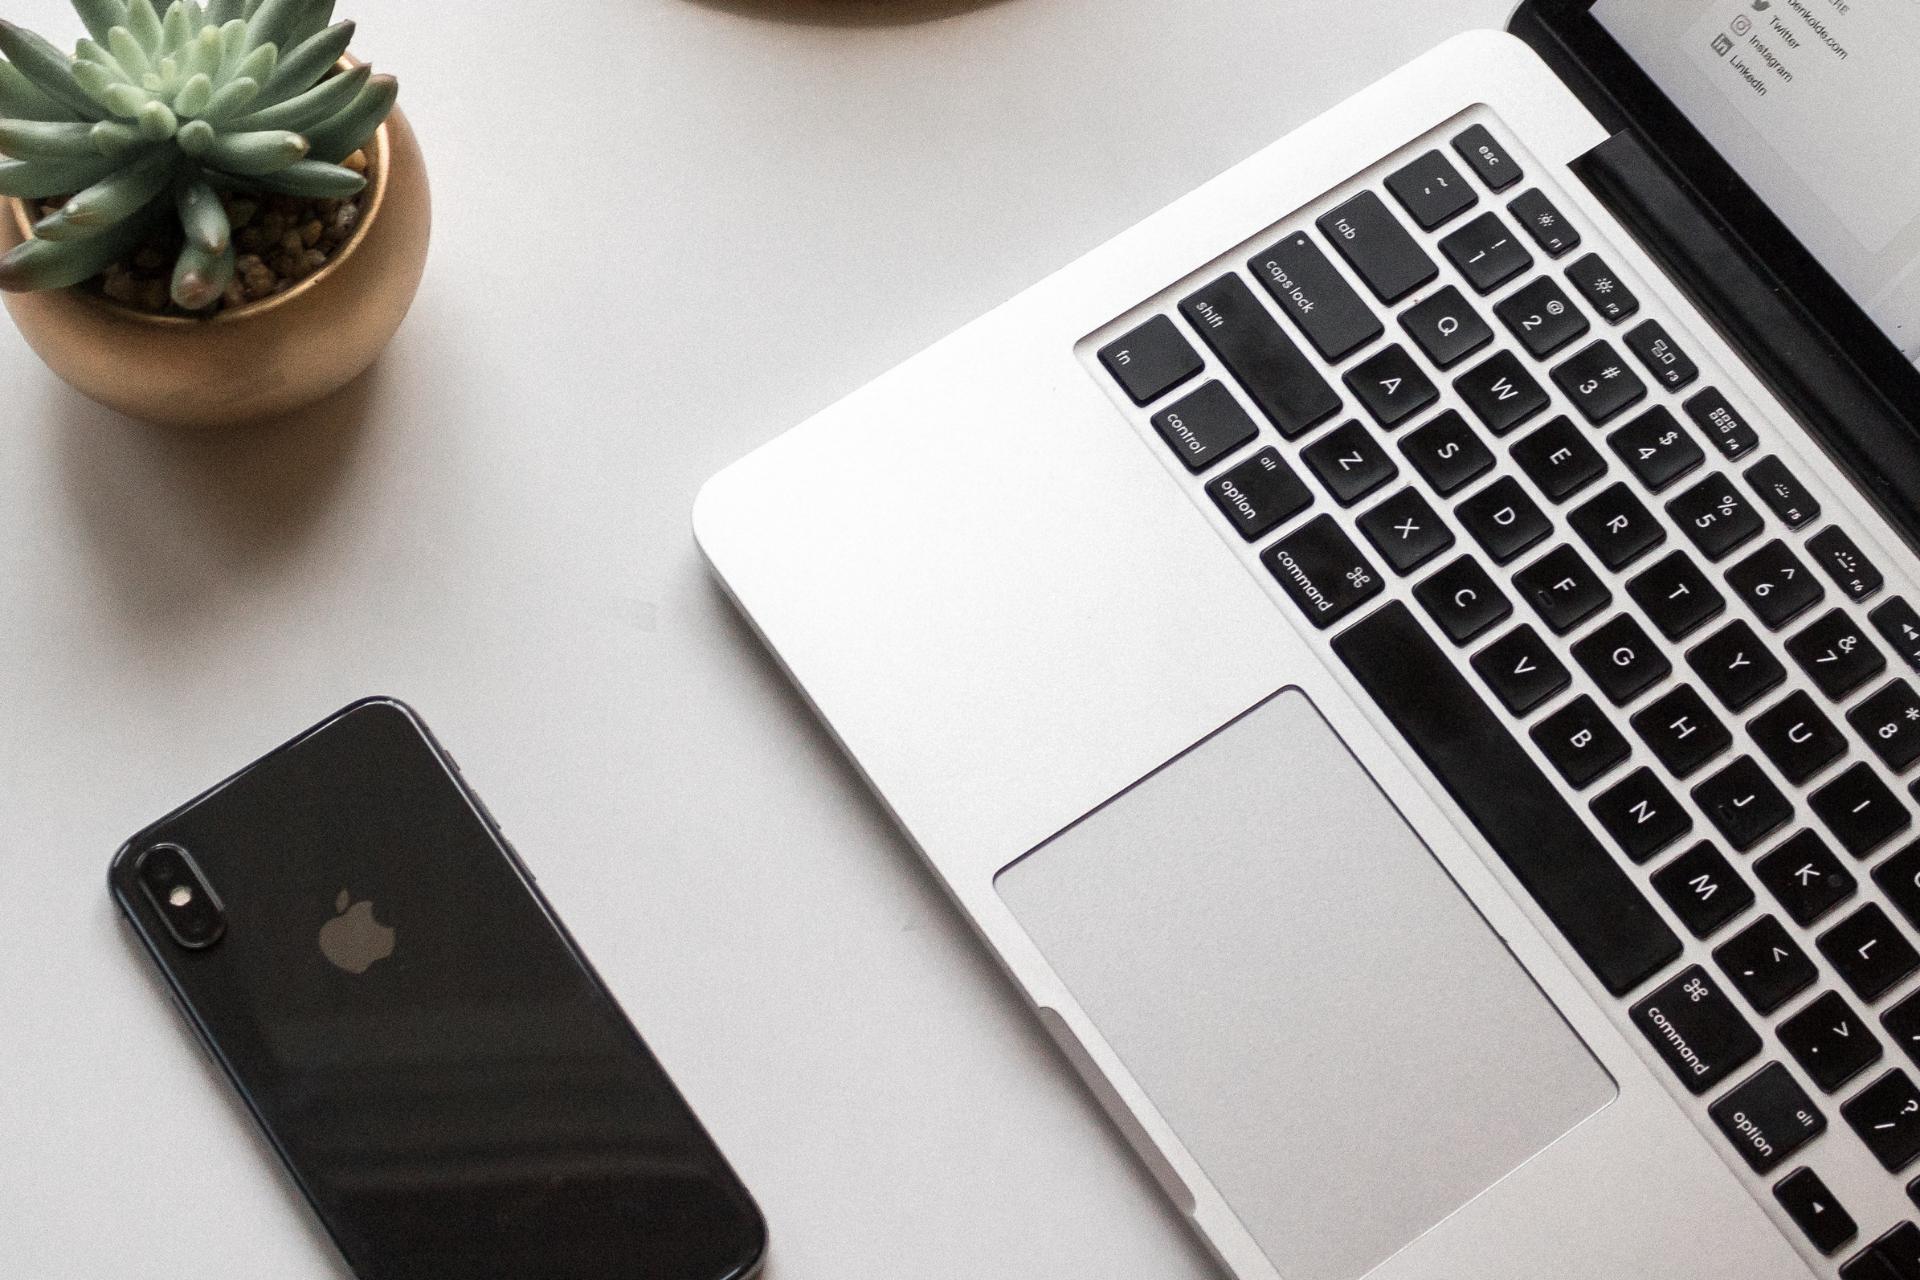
x=1334 y=1032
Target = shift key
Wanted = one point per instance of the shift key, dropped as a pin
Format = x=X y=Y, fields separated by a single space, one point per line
x=1314 y=295
x=1248 y=340
x=1696 y=1030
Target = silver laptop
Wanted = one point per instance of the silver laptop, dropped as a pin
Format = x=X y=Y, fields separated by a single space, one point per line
x=1407 y=656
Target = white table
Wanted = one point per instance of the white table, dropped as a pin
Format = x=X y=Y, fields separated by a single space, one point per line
x=666 y=230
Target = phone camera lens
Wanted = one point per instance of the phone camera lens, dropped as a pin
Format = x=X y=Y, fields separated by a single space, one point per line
x=179 y=893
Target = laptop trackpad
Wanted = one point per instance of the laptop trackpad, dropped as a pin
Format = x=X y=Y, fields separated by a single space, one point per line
x=1339 y=1038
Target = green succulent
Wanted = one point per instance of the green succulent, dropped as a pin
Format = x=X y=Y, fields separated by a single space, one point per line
x=157 y=114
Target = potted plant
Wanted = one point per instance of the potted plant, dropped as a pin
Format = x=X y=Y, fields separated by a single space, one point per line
x=213 y=214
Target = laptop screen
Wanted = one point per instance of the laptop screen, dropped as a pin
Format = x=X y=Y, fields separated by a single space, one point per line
x=1814 y=103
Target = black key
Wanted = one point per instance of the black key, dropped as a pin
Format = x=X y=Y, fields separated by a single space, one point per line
x=1575 y=881
x=1845 y=563
x=1604 y=291
x=1676 y=595
x=1558 y=459
x=1484 y=154
x=1501 y=392
x=1552 y=232
x=1783 y=493
x=1662 y=356
x=1859 y=810
x=1406 y=531
x=1837 y=654
x=1899 y=626
x=1503 y=519
x=1797 y=737
x=1696 y=1030
x=1486 y=253
x=1374 y=244
x=1260 y=494
x=1391 y=386
x=1775 y=585
x=1869 y=953
x=1616 y=527
x=1899 y=878
x=1722 y=424
x=1821 y=1218
x=1580 y=741
x=1521 y=670
x=1622 y=659
x=1894 y=1256
x=1447 y=453
x=1768 y=1118
x=1446 y=327
x=1269 y=367
x=1902 y=1024
x=1641 y=814
x=1682 y=732
x=1151 y=360
x=1804 y=877
x=1886 y=1115
x=1599 y=384
x=1656 y=449
x=1350 y=462
x=1204 y=426
x=1889 y=723
x=1324 y=573
x=1542 y=317
x=1431 y=191
x=1743 y=804
x=1716 y=516
x=1463 y=600
x=1830 y=1041
x=1316 y=297
x=1765 y=965
x=1562 y=589
x=1736 y=666
x=1703 y=889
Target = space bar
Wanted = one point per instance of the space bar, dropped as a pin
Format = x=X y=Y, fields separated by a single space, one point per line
x=1586 y=894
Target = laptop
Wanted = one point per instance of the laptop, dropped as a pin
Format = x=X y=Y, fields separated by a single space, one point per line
x=1408 y=655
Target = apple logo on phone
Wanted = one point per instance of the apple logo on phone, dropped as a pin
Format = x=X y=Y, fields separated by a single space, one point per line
x=353 y=940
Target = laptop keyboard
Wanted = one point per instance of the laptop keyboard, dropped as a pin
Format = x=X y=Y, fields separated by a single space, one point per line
x=1519 y=511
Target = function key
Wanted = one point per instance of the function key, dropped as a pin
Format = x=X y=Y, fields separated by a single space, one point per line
x=1552 y=232
x=1542 y=317
x=1581 y=741
x=1521 y=670
x=1260 y=494
x=1486 y=253
x=1623 y=660
x=1501 y=392
x=1765 y=965
x=1716 y=516
x=1447 y=454
x=1447 y=327
x=1616 y=527
x=1391 y=386
x=1703 y=889
x=1805 y=878
x=1682 y=731
x=1743 y=803
x=1735 y=665
x=1431 y=191
x=1604 y=291
x=1662 y=356
x=1562 y=589
x=1889 y=722
x=1797 y=737
x=1486 y=157
x=1845 y=563
x=1313 y=294
x=1322 y=571
x=1374 y=244
x=1821 y=1218
x=1406 y=531
x=1559 y=459
x=1503 y=519
x=1269 y=367
x=1599 y=384
x=1656 y=449
x=1204 y=426
x=1676 y=596
x=1775 y=585
x=1830 y=1041
x=1151 y=360
x=1463 y=600
x=1722 y=424
x=1783 y=493
x=1886 y=1115
x=1899 y=878
x=1835 y=653
x=1899 y=626
x=1350 y=462
x=1868 y=952
x=1768 y=1118
x=1860 y=811
x=1641 y=814
x=1696 y=1030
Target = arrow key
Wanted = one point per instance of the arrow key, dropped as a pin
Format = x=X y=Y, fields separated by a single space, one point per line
x=1813 y=1209
x=1765 y=965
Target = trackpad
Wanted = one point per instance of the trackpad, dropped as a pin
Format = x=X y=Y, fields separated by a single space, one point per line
x=1339 y=1038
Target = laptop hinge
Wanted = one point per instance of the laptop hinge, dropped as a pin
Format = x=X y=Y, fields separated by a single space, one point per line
x=1866 y=434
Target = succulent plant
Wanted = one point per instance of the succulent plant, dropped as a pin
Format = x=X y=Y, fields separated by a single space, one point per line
x=161 y=113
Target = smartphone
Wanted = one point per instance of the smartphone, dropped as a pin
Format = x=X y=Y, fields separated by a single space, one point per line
x=450 y=1084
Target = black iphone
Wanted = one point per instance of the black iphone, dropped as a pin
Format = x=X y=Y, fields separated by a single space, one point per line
x=446 y=1078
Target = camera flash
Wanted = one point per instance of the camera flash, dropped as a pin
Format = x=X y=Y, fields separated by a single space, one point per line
x=181 y=895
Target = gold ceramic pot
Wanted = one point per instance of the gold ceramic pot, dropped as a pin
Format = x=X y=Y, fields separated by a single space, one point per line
x=258 y=361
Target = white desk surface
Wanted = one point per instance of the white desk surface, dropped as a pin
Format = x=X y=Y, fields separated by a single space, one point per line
x=665 y=231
